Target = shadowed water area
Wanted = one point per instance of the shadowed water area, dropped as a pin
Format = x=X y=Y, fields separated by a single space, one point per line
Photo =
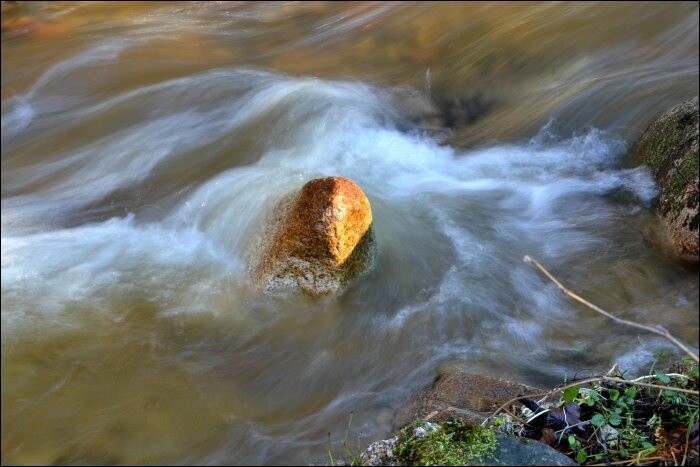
x=144 y=145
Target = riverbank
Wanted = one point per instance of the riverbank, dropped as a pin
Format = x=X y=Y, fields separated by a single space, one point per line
x=604 y=420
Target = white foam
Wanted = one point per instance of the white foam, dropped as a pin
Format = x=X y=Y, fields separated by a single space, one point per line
x=47 y=273
x=486 y=201
x=18 y=117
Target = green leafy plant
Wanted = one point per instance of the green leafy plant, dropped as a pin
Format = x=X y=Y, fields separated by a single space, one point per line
x=618 y=430
x=652 y=419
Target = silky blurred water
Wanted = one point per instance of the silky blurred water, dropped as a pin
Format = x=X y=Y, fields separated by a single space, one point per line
x=144 y=144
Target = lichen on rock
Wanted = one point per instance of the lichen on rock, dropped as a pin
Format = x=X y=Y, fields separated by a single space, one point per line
x=317 y=240
x=669 y=147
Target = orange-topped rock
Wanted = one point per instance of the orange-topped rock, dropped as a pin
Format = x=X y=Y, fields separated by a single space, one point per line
x=317 y=240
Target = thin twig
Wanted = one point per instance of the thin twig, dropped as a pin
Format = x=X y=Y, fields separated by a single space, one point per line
x=609 y=379
x=541 y=394
x=629 y=461
x=670 y=375
x=514 y=416
x=529 y=420
x=655 y=329
x=572 y=426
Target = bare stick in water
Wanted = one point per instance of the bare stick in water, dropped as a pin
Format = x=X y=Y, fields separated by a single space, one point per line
x=655 y=329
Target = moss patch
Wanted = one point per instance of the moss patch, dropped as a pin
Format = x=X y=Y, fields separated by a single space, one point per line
x=670 y=149
x=678 y=193
x=684 y=175
x=453 y=443
x=672 y=134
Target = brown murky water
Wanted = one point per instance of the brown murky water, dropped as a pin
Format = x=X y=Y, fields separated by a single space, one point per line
x=144 y=143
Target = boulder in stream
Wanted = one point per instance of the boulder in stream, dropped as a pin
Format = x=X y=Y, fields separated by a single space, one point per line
x=317 y=240
x=670 y=148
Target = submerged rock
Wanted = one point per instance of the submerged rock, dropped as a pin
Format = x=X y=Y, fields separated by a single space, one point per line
x=460 y=394
x=318 y=240
x=670 y=148
x=464 y=110
x=446 y=113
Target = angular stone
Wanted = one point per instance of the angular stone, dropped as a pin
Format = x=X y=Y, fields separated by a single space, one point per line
x=317 y=240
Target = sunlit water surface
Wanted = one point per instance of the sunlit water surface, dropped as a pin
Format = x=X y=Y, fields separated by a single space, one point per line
x=143 y=144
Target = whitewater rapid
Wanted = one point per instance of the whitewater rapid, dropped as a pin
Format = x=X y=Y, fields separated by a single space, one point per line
x=510 y=199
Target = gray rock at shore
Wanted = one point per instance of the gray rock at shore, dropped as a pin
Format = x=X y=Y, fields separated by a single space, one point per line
x=669 y=146
x=513 y=450
x=380 y=453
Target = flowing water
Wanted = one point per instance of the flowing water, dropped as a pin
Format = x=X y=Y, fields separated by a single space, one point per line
x=143 y=145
